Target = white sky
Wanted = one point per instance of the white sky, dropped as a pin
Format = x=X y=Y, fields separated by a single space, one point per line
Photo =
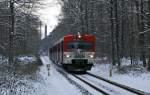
x=49 y=14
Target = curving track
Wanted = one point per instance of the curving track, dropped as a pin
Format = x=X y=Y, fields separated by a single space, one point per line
x=136 y=91
x=107 y=86
x=91 y=85
x=83 y=83
x=100 y=85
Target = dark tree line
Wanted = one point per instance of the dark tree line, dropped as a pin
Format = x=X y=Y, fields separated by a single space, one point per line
x=122 y=27
x=26 y=27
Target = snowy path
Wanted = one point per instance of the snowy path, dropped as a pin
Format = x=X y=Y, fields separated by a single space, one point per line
x=45 y=60
x=55 y=83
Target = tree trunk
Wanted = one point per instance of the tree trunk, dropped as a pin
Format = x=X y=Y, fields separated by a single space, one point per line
x=117 y=33
x=142 y=36
x=112 y=33
x=11 y=34
x=149 y=25
x=123 y=23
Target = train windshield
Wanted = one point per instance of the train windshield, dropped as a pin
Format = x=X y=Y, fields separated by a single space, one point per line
x=80 y=45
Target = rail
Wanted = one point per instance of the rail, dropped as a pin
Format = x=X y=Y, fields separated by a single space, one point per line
x=58 y=67
x=91 y=85
x=133 y=90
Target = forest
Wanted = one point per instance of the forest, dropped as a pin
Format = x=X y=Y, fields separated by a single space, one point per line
x=122 y=27
x=60 y=64
x=19 y=27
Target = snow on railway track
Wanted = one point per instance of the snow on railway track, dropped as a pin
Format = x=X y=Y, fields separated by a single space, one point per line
x=106 y=87
x=93 y=85
x=96 y=86
x=133 y=90
x=90 y=90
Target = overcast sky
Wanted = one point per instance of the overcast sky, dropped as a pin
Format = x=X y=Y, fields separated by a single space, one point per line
x=49 y=14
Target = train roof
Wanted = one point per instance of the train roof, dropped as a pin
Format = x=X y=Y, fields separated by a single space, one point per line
x=78 y=35
x=69 y=37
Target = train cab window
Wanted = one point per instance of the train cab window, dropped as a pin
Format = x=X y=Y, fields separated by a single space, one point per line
x=79 y=45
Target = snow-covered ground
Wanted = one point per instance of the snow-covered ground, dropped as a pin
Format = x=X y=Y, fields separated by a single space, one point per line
x=95 y=70
x=55 y=83
x=107 y=87
x=26 y=59
x=34 y=79
x=46 y=80
x=137 y=78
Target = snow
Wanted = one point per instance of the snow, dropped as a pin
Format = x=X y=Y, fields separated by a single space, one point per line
x=45 y=60
x=111 y=89
x=137 y=78
x=56 y=84
x=35 y=80
x=26 y=59
x=46 y=80
x=90 y=91
x=61 y=85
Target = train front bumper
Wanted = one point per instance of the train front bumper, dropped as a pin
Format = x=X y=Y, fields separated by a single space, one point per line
x=78 y=65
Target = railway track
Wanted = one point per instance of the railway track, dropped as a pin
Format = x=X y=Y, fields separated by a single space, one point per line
x=103 y=87
x=91 y=85
x=73 y=77
x=132 y=90
x=93 y=82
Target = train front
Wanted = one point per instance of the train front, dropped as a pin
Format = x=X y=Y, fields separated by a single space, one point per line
x=79 y=51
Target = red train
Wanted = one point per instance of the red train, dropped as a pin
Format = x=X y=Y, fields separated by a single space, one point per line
x=74 y=52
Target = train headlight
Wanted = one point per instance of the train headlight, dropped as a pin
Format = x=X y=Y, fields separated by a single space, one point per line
x=67 y=55
x=91 y=56
x=79 y=36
